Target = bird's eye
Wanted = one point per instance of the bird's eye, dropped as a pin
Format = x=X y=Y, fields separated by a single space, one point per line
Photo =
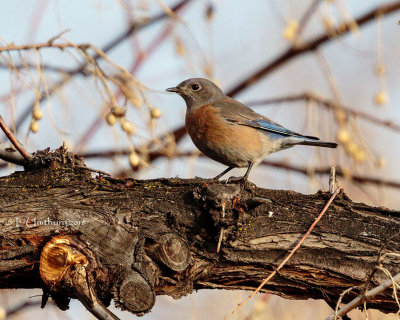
x=195 y=87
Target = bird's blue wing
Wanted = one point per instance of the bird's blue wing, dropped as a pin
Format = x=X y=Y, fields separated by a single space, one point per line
x=235 y=112
x=270 y=126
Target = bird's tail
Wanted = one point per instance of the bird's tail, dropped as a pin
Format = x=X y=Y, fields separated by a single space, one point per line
x=314 y=141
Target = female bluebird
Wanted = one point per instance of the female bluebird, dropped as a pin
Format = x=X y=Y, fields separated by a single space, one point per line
x=231 y=133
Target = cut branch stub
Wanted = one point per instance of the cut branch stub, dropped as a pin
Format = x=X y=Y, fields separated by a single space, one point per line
x=171 y=251
x=66 y=272
x=135 y=294
x=56 y=258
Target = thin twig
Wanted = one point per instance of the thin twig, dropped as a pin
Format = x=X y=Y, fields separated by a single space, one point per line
x=21 y=307
x=48 y=44
x=27 y=156
x=44 y=67
x=290 y=253
x=364 y=297
x=341 y=298
x=379 y=261
x=305 y=19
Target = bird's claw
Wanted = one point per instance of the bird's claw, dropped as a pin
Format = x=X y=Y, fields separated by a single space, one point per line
x=242 y=180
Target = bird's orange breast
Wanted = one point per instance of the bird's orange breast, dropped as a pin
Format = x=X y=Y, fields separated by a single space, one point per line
x=227 y=143
x=200 y=123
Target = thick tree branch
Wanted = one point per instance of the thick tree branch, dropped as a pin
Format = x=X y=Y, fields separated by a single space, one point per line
x=129 y=240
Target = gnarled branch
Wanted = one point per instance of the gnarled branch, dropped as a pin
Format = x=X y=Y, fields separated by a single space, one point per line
x=101 y=238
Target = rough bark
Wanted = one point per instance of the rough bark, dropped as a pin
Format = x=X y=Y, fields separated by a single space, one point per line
x=130 y=240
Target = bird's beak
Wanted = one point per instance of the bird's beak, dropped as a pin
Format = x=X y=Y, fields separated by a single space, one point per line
x=173 y=89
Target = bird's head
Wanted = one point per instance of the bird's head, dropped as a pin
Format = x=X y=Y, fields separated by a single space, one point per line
x=197 y=92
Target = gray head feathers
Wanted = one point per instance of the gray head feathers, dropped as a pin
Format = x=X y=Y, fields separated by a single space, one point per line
x=197 y=92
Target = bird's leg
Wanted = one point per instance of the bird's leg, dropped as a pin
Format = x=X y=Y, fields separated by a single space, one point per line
x=223 y=173
x=243 y=179
x=246 y=175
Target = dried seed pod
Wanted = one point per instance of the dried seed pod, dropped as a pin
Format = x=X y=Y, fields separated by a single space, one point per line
x=37 y=114
x=381 y=162
x=290 y=29
x=341 y=116
x=360 y=155
x=328 y=24
x=381 y=98
x=155 y=113
x=128 y=126
x=111 y=119
x=134 y=159
x=351 y=147
x=343 y=135
x=34 y=126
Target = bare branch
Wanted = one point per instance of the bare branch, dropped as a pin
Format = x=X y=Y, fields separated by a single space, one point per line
x=306 y=18
x=21 y=307
x=44 y=67
x=330 y=104
x=326 y=171
x=364 y=297
x=311 y=45
x=112 y=44
x=48 y=44
x=11 y=155
x=140 y=58
x=27 y=156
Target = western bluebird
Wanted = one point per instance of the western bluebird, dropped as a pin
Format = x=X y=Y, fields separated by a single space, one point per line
x=231 y=133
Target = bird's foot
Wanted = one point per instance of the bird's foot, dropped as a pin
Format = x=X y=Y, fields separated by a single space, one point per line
x=239 y=180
